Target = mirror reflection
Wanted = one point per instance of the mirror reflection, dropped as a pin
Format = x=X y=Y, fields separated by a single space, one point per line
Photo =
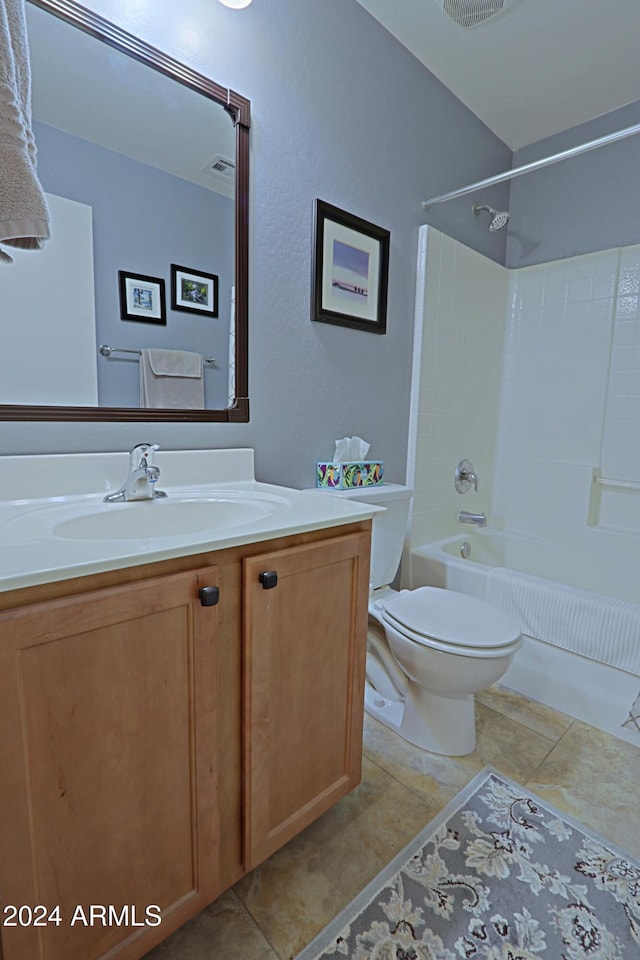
x=139 y=278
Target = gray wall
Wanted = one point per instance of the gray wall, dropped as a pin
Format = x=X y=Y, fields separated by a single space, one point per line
x=143 y=221
x=582 y=205
x=343 y=112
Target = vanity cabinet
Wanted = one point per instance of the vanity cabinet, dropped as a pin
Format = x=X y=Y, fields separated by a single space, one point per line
x=303 y=686
x=154 y=749
x=108 y=776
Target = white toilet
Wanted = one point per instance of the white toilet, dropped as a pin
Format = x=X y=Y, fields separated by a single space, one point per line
x=429 y=650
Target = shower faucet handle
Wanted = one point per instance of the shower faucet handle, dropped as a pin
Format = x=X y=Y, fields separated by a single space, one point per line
x=465 y=477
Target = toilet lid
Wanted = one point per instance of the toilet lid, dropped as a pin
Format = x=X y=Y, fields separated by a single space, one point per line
x=452 y=618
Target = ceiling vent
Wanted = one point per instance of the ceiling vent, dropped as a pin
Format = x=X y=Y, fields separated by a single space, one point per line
x=470 y=13
x=222 y=167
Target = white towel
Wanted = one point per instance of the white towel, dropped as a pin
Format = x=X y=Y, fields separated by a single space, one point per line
x=592 y=624
x=171 y=379
x=24 y=215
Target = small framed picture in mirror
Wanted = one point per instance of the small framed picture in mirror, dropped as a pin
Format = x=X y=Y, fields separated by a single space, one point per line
x=142 y=298
x=194 y=291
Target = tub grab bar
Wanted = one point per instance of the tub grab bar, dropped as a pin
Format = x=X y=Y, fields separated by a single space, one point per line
x=610 y=482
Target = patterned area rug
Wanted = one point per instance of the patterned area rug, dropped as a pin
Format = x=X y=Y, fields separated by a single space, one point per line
x=498 y=875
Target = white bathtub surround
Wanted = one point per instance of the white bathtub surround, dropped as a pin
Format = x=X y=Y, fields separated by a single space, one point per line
x=621 y=435
x=459 y=328
x=537 y=369
x=534 y=375
x=571 y=402
x=598 y=693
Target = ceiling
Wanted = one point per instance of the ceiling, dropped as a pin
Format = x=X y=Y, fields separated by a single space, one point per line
x=537 y=68
x=91 y=90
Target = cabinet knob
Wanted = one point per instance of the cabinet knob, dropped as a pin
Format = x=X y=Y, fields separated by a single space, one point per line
x=269 y=579
x=209 y=596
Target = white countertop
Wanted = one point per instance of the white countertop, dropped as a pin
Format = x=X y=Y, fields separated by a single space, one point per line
x=44 y=494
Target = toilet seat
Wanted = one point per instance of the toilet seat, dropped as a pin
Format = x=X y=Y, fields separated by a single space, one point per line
x=457 y=622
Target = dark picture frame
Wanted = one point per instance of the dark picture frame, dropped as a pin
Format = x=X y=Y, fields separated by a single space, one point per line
x=142 y=298
x=350 y=270
x=194 y=291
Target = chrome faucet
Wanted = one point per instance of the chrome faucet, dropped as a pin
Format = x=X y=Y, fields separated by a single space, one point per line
x=141 y=479
x=479 y=519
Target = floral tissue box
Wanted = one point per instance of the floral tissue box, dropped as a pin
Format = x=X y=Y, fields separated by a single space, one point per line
x=341 y=476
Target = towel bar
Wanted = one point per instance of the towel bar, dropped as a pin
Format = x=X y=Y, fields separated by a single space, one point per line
x=106 y=351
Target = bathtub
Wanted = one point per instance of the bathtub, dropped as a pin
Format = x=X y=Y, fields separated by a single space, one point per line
x=600 y=694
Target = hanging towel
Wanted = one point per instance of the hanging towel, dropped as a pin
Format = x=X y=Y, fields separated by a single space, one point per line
x=171 y=379
x=24 y=215
x=592 y=624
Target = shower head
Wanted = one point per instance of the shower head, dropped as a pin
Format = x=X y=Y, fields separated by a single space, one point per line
x=499 y=218
x=472 y=13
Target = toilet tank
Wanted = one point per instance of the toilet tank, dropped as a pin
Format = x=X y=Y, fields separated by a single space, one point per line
x=388 y=529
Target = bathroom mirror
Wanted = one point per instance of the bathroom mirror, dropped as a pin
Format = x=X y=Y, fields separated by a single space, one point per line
x=152 y=186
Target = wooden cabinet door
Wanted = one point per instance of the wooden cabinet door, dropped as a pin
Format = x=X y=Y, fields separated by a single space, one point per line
x=107 y=767
x=305 y=648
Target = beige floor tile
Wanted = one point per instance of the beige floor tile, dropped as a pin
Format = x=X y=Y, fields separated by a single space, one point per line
x=435 y=778
x=513 y=749
x=612 y=757
x=295 y=893
x=278 y=908
x=610 y=809
x=550 y=723
x=223 y=929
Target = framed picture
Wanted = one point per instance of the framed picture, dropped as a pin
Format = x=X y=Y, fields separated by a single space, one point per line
x=194 y=291
x=351 y=270
x=142 y=298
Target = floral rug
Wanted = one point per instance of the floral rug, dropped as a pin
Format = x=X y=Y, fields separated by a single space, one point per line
x=498 y=875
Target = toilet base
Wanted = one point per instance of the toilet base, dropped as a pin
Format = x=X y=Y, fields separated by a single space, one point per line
x=438 y=724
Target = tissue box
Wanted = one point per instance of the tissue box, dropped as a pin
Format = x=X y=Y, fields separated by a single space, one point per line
x=341 y=476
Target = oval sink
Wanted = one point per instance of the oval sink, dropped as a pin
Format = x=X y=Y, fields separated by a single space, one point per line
x=176 y=516
x=144 y=519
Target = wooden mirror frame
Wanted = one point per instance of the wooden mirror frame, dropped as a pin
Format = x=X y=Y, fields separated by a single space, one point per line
x=239 y=108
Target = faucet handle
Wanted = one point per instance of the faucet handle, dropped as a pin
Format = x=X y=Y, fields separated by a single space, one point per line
x=465 y=477
x=142 y=454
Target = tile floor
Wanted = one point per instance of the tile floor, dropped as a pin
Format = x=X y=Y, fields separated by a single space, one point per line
x=274 y=911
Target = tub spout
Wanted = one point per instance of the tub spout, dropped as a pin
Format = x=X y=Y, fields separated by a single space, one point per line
x=479 y=519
